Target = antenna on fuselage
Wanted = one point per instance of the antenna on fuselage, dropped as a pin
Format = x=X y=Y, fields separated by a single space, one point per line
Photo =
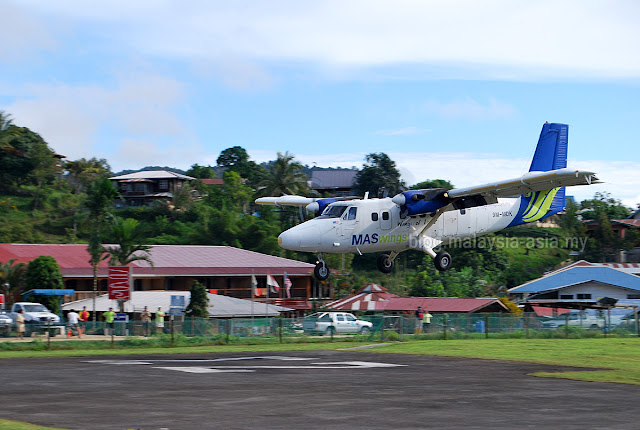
x=366 y=195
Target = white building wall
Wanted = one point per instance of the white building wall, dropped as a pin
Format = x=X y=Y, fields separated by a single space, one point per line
x=597 y=290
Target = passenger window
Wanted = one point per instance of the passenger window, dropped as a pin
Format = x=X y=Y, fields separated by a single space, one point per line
x=374 y=216
x=340 y=317
x=350 y=318
x=385 y=216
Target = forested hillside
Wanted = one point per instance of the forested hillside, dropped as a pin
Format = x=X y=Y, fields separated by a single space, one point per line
x=47 y=199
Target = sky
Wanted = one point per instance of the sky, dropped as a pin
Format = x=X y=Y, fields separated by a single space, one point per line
x=449 y=89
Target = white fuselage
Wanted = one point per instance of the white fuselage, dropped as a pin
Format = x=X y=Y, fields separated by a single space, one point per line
x=375 y=225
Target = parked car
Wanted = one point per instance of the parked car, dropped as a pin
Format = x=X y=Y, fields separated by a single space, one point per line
x=37 y=318
x=5 y=324
x=335 y=322
x=585 y=319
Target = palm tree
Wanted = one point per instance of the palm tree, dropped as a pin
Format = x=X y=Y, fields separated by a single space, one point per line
x=127 y=235
x=100 y=196
x=11 y=277
x=284 y=176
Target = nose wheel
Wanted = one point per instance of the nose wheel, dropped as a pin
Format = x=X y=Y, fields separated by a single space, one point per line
x=321 y=271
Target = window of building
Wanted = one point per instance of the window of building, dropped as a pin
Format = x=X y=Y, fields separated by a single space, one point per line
x=163 y=184
x=584 y=296
x=566 y=296
x=633 y=296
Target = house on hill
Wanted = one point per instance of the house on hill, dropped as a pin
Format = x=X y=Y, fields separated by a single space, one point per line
x=146 y=187
x=335 y=182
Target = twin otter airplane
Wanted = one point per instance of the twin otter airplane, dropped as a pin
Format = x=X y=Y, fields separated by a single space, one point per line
x=424 y=219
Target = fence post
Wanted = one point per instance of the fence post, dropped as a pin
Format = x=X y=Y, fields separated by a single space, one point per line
x=444 y=326
x=228 y=328
x=566 y=325
x=48 y=333
x=280 y=329
x=171 y=328
x=486 y=326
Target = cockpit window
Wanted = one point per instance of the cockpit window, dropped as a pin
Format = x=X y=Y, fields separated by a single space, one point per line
x=351 y=215
x=333 y=211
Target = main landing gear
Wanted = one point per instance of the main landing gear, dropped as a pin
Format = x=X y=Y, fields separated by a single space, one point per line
x=442 y=261
x=385 y=262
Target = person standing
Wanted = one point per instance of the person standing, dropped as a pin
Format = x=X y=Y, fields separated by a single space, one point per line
x=73 y=317
x=419 y=316
x=20 y=325
x=426 y=321
x=109 y=316
x=84 y=318
x=146 y=321
x=159 y=320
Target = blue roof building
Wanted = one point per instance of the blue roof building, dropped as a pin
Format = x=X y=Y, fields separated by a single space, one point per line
x=581 y=282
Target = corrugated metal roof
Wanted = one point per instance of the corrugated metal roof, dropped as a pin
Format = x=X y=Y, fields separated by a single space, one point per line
x=383 y=301
x=219 y=306
x=579 y=275
x=169 y=260
x=152 y=174
x=333 y=178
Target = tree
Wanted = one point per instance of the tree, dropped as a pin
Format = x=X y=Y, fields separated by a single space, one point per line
x=44 y=272
x=201 y=172
x=81 y=173
x=236 y=159
x=199 y=301
x=12 y=278
x=603 y=202
x=379 y=176
x=100 y=196
x=284 y=176
x=127 y=235
x=435 y=183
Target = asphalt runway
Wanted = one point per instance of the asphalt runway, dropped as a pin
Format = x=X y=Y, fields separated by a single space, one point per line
x=305 y=390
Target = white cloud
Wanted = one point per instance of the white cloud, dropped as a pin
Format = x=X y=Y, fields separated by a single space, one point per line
x=492 y=39
x=75 y=120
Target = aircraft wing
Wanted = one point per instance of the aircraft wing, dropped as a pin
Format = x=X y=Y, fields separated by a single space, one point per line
x=530 y=182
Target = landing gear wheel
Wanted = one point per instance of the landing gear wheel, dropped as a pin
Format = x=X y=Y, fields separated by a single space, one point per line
x=321 y=271
x=385 y=264
x=442 y=261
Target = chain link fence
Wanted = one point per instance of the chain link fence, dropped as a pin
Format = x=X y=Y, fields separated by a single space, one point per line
x=384 y=327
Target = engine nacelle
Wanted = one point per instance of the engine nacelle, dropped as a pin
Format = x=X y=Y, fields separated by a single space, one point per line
x=319 y=205
x=416 y=202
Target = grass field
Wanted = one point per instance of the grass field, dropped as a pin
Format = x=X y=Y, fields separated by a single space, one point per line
x=617 y=360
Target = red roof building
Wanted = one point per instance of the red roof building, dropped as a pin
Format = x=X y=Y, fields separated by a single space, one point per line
x=222 y=269
x=374 y=298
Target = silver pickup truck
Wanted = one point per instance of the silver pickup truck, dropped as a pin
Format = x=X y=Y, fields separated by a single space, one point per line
x=335 y=322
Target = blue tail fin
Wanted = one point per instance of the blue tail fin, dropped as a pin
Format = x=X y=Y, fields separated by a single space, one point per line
x=551 y=154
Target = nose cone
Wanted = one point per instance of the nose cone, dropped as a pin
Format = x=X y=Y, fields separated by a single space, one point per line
x=303 y=237
x=289 y=240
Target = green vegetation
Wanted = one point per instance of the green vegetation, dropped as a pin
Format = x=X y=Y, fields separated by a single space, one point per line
x=617 y=356
x=17 y=425
x=46 y=200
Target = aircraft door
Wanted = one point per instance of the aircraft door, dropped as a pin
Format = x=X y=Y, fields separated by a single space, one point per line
x=385 y=220
x=450 y=223
x=464 y=223
x=349 y=221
